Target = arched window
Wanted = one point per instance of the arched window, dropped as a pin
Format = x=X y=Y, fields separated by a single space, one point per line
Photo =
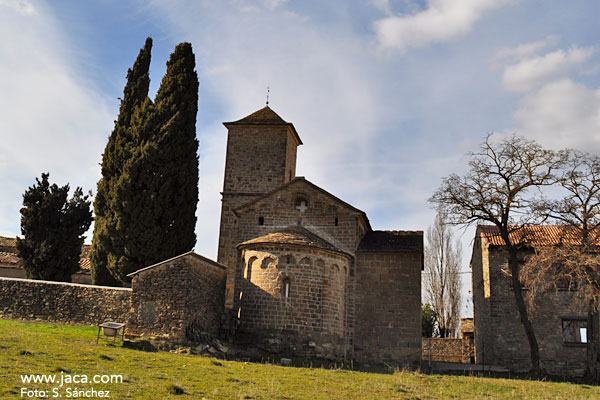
x=285 y=288
x=248 y=269
x=335 y=270
x=305 y=261
x=267 y=262
x=287 y=259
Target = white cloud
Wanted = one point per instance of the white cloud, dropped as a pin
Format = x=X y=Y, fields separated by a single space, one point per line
x=50 y=120
x=383 y=5
x=443 y=20
x=525 y=49
x=562 y=114
x=21 y=6
x=554 y=109
x=530 y=73
x=319 y=80
x=272 y=4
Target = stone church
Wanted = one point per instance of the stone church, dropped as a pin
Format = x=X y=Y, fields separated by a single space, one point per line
x=306 y=273
x=300 y=272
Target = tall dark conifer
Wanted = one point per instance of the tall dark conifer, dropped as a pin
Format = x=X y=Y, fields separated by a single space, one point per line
x=157 y=193
x=118 y=150
x=176 y=107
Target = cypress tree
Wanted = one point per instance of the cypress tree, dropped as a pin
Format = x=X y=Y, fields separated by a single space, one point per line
x=121 y=143
x=52 y=228
x=176 y=108
x=157 y=193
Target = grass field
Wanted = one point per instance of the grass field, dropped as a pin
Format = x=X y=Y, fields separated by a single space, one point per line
x=67 y=351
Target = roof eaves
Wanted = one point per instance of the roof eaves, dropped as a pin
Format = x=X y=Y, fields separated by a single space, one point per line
x=298 y=179
x=189 y=253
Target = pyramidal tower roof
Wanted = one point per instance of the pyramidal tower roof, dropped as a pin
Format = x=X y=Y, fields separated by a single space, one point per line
x=264 y=116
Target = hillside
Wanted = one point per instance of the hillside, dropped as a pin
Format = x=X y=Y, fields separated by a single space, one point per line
x=68 y=352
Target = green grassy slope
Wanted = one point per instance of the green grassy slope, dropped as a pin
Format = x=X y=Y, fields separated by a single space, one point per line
x=36 y=348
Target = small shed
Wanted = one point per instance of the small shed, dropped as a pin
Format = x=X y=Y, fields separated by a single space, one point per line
x=181 y=298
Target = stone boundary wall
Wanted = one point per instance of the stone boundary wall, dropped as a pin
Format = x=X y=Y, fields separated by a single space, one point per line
x=443 y=349
x=62 y=301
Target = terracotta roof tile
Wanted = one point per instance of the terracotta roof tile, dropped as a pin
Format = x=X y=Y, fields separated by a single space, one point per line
x=7 y=258
x=8 y=253
x=7 y=243
x=294 y=235
x=392 y=241
x=535 y=235
x=466 y=325
x=84 y=264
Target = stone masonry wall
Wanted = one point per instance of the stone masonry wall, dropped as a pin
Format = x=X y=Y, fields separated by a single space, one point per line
x=181 y=298
x=320 y=217
x=311 y=319
x=504 y=342
x=388 y=307
x=258 y=160
x=481 y=303
x=257 y=157
x=62 y=302
x=443 y=349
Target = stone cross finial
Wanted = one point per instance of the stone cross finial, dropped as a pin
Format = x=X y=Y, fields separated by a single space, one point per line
x=267 y=95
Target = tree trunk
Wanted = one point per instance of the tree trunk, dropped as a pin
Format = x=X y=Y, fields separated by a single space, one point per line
x=516 y=286
x=593 y=345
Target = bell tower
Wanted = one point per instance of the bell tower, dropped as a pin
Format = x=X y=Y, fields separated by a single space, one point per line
x=261 y=156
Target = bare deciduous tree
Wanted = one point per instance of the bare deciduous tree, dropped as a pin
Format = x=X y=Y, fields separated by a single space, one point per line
x=495 y=189
x=441 y=280
x=575 y=262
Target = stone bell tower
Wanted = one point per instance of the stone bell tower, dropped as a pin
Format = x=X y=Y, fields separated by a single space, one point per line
x=261 y=156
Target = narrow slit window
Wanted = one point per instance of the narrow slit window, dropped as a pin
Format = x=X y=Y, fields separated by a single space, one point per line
x=336 y=221
x=285 y=290
x=261 y=220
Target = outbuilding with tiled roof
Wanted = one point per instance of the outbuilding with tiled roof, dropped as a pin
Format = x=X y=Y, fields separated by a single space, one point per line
x=557 y=319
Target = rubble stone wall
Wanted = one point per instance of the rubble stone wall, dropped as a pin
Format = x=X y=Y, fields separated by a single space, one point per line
x=443 y=349
x=181 y=298
x=499 y=335
x=63 y=302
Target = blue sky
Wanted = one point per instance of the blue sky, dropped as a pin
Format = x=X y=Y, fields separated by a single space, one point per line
x=387 y=96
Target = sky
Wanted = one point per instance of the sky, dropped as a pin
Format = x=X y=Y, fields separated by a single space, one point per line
x=387 y=96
